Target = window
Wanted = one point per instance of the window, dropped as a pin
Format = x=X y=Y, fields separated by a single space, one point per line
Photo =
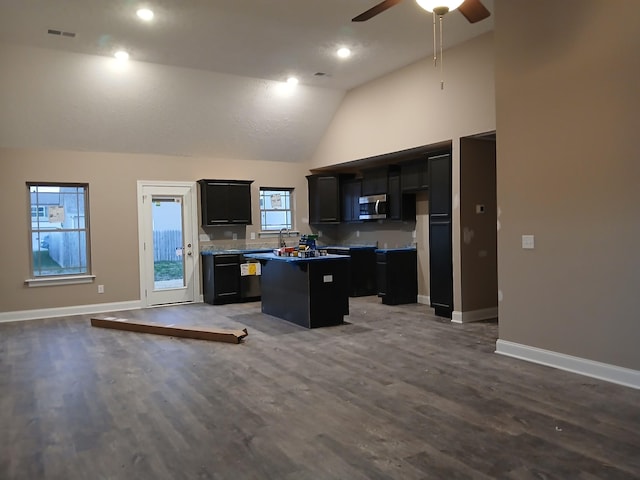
x=59 y=230
x=275 y=208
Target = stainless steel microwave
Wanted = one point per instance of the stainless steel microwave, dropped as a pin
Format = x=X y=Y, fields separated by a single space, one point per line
x=373 y=207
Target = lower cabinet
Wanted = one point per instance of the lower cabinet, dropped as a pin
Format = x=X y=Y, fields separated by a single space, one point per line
x=397 y=276
x=221 y=278
x=362 y=269
x=222 y=281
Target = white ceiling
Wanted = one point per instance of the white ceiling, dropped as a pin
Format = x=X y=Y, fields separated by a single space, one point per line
x=264 y=39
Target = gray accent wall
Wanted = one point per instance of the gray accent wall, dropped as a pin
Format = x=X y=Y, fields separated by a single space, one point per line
x=568 y=171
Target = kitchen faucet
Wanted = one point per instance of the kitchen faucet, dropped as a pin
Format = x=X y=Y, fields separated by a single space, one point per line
x=281 y=237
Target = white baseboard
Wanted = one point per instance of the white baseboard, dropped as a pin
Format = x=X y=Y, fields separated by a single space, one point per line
x=66 y=311
x=424 y=299
x=474 y=315
x=582 y=366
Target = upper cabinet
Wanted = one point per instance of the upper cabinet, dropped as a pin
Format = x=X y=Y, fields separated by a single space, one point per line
x=402 y=206
x=374 y=180
x=225 y=202
x=351 y=193
x=324 y=198
x=415 y=175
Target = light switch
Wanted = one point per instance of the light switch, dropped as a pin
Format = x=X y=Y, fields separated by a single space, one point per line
x=528 y=241
x=253 y=235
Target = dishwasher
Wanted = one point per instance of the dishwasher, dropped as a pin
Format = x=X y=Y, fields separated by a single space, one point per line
x=249 y=278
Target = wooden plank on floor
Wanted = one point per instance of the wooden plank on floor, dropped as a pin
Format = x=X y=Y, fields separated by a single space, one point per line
x=199 y=333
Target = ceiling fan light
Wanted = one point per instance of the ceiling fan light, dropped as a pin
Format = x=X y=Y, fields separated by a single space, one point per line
x=145 y=14
x=343 y=52
x=439 y=6
x=121 y=55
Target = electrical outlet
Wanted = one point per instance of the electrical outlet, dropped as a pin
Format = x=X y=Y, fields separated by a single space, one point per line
x=100 y=288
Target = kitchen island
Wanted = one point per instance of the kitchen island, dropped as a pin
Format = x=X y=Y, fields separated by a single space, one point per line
x=311 y=292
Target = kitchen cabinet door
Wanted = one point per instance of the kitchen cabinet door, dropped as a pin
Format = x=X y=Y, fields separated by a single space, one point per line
x=324 y=198
x=397 y=276
x=415 y=175
x=239 y=203
x=351 y=192
x=401 y=206
x=374 y=180
x=221 y=278
x=440 y=236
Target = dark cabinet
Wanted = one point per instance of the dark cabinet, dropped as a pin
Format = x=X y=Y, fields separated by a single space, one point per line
x=224 y=202
x=397 y=276
x=400 y=206
x=362 y=269
x=223 y=281
x=415 y=175
x=374 y=180
x=440 y=236
x=324 y=198
x=351 y=193
x=221 y=278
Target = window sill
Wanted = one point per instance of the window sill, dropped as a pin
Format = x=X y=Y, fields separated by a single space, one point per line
x=276 y=233
x=68 y=280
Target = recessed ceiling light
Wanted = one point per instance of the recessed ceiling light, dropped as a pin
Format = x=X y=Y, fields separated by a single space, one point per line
x=292 y=81
x=121 y=55
x=145 y=14
x=344 y=52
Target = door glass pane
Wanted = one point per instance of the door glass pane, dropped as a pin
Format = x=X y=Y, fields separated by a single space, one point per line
x=168 y=248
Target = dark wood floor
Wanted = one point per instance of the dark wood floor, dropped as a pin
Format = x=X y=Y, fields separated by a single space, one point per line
x=395 y=394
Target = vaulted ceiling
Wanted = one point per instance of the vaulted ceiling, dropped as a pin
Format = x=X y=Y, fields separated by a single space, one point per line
x=255 y=39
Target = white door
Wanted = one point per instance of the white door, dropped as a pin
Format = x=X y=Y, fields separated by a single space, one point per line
x=167 y=220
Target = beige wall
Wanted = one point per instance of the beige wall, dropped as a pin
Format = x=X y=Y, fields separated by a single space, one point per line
x=407 y=109
x=478 y=248
x=567 y=77
x=112 y=182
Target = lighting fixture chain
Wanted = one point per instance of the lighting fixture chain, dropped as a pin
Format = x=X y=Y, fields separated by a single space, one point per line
x=441 y=58
x=435 y=51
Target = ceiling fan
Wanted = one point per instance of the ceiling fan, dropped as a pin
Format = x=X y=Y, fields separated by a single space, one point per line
x=473 y=10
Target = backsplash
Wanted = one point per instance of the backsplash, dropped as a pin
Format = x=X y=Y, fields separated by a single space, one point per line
x=383 y=234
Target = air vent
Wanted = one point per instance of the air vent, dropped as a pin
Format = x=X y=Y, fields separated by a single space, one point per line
x=60 y=33
x=321 y=74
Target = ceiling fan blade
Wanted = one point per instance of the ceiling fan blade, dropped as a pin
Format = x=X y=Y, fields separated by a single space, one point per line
x=373 y=11
x=474 y=10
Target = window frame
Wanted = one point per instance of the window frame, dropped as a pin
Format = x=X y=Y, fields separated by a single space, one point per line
x=36 y=276
x=290 y=210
